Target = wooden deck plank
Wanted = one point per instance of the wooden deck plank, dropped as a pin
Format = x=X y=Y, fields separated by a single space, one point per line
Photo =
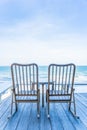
x=76 y=122
x=82 y=105
x=82 y=115
x=33 y=121
x=44 y=120
x=4 y=112
x=3 y=102
x=47 y=123
x=56 y=123
x=84 y=95
x=82 y=99
x=24 y=117
x=81 y=110
x=14 y=120
x=4 y=119
x=64 y=118
x=4 y=105
x=60 y=118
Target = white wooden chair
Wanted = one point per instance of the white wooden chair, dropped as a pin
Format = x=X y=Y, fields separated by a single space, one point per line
x=60 y=85
x=25 y=84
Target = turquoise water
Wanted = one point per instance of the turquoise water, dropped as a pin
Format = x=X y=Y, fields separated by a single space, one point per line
x=5 y=75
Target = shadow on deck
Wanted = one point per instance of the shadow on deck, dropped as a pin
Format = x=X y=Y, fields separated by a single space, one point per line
x=60 y=118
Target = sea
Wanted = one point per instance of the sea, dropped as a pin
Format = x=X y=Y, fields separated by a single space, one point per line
x=80 y=77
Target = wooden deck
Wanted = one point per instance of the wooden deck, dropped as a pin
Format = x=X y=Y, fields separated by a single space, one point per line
x=60 y=118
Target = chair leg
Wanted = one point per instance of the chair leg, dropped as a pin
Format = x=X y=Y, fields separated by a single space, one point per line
x=16 y=106
x=12 y=102
x=38 y=105
x=11 y=108
x=12 y=105
x=48 y=105
x=13 y=98
x=48 y=110
x=74 y=106
x=38 y=110
x=46 y=96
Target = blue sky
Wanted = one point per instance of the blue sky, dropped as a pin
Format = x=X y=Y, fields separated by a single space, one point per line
x=43 y=31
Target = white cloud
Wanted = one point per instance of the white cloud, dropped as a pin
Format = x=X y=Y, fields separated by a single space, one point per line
x=49 y=36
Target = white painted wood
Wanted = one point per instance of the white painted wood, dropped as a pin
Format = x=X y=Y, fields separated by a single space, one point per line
x=60 y=118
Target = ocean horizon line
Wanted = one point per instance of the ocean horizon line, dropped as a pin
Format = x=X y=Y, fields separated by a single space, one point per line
x=43 y=64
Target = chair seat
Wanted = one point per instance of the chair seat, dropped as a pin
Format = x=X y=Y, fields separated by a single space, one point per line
x=60 y=98
x=26 y=98
x=58 y=93
x=27 y=93
x=56 y=96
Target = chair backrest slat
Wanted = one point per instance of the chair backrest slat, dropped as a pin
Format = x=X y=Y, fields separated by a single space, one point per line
x=23 y=79
x=62 y=80
x=66 y=75
x=27 y=79
x=30 y=76
x=59 y=72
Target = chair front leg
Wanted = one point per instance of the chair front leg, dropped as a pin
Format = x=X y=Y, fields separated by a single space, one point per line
x=12 y=104
x=38 y=104
x=13 y=101
x=48 y=105
x=74 y=105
